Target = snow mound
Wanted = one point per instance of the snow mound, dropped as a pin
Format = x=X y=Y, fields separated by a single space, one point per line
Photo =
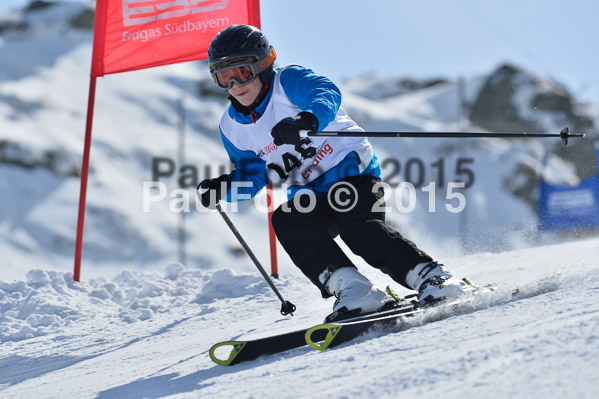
x=50 y=300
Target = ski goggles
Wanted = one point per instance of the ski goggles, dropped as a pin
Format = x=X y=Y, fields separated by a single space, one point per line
x=242 y=74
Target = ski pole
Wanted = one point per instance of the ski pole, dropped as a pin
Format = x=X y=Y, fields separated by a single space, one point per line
x=286 y=306
x=564 y=134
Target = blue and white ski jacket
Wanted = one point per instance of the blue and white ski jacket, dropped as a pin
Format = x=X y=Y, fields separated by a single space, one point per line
x=318 y=163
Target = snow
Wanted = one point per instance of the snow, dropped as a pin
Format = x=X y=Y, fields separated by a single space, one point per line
x=140 y=324
x=148 y=335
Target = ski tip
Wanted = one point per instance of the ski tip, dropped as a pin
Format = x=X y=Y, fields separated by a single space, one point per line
x=322 y=332
x=237 y=346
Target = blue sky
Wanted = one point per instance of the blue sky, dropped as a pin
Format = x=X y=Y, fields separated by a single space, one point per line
x=436 y=38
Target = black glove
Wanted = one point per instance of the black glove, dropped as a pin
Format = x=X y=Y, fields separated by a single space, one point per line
x=210 y=191
x=287 y=130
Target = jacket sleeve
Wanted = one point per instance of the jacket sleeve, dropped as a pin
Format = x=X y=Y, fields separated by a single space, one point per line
x=249 y=173
x=312 y=93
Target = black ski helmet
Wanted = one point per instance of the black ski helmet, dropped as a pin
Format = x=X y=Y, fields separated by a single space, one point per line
x=242 y=42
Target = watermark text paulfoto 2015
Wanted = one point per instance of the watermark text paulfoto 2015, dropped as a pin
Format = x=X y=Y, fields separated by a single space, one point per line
x=404 y=184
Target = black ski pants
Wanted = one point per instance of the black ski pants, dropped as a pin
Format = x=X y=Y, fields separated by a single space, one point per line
x=308 y=237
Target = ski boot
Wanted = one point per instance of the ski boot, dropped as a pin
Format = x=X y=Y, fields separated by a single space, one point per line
x=355 y=293
x=434 y=283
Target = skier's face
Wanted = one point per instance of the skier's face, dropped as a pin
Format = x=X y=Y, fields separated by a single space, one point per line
x=247 y=94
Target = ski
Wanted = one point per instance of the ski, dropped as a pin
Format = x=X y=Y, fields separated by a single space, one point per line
x=328 y=335
x=242 y=351
x=394 y=319
x=399 y=304
x=336 y=329
x=338 y=333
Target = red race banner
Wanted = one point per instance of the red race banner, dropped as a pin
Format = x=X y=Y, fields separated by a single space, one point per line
x=138 y=34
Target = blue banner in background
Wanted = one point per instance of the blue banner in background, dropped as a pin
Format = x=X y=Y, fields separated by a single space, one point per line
x=566 y=208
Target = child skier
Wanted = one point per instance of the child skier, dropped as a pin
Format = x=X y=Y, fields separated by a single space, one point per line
x=261 y=134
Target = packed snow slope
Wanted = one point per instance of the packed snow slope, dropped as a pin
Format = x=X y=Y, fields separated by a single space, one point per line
x=147 y=335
